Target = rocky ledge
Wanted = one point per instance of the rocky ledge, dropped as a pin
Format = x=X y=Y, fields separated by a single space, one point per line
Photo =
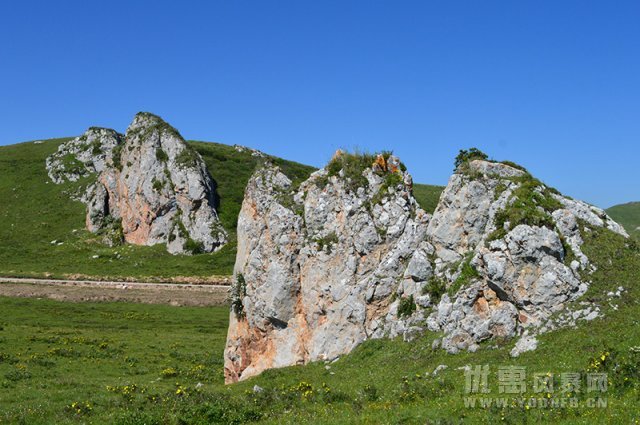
x=349 y=255
x=149 y=187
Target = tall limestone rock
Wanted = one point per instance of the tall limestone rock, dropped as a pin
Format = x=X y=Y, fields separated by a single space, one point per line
x=150 y=188
x=318 y=265
x=348 y=255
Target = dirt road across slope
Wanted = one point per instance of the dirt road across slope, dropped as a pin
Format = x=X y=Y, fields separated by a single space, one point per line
x=142 y=292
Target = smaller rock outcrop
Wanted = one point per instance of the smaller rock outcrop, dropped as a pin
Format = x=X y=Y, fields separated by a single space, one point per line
x=150 y=186
x=83 y=156
x=522 y=241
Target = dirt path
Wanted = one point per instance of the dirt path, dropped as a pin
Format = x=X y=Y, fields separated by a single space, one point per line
x=177 y=294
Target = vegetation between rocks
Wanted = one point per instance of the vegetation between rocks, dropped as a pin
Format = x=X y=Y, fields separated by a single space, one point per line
x=327 y=241
x=161 y=155
x=467 y=273
x=530 y=203
x=407 y=306
x=435 y=287
x=238 y=292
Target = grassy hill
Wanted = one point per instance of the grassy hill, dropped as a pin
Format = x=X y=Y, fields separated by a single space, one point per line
x=427 y=196
x=628 y=215
x=43 y=231
x=34 y=213
x=118 y=363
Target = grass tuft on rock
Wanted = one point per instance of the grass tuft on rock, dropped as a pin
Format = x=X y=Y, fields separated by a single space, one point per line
x=531 y=203
x=350 y=167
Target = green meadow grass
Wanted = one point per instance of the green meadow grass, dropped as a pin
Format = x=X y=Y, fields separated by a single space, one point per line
x=54 y=354
x=34 y=212
x=142 y=364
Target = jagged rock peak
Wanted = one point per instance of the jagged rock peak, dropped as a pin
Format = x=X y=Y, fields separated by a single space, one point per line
x=145 y=123
x=348 y=255
x=150 y=188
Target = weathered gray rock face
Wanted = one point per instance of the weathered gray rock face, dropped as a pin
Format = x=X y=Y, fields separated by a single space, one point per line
x=467 y=208
x=524 y=271
x=325 y=266
x=151 y=187
x=84 y=155
x=319 y=266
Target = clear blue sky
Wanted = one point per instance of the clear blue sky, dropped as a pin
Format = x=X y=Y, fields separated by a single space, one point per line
x=553 y=85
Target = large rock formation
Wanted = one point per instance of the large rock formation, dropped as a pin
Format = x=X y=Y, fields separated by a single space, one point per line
x=520 y=240
x=317 y=266
x=150 y=188
x=349 y=255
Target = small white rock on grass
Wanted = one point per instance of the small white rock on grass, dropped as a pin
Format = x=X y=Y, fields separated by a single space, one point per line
x=524 y=344
x=439 y=369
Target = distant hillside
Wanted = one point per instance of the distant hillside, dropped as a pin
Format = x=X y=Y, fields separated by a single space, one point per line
x=628 y=215
x=43 y=231
x=427 y=196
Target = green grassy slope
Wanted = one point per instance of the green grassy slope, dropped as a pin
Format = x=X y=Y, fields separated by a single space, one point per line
x=35 y=212
x=628 y=215
x=135 y=364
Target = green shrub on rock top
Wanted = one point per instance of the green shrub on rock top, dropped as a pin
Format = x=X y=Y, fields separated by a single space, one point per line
x=514 y=165
x=158 y=125
x=465 y=156
x=350 y=169
x=352 y=166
